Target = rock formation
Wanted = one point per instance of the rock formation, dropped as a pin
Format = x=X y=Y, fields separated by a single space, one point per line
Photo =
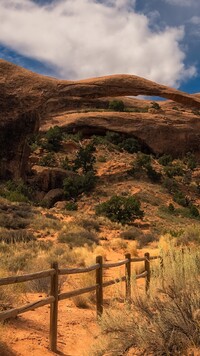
x=26 y=97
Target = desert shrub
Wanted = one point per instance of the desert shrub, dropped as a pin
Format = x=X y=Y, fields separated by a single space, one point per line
x=120 y=209
x=71 y=206
x=191 y=234
x=165 y=160
x=76 y=137
x=141 y=164
x=73 y=187
x=53 y=139
x=154 y=176
x=89 y=223
x=14 y=236
x=48 y=160
x=12 y=221
x=75 y=235
x=171 y=208
x=143 y=160
x=85 y=159
x=155 y=105
x=43 y=222
x=172 y=171
x=190 y=160
x=16 y=191
x=118 y=244
x=137 y=235
x=131 y=234
x=193 y=210
x=114 y=137
x=65 y=164
x=116 y=105
x=170 y=184
x=180 y=199
x=131 y=145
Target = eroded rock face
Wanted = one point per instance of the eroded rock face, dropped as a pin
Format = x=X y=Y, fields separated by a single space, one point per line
x=48 y=178
x=14 y=149
x=25 y=97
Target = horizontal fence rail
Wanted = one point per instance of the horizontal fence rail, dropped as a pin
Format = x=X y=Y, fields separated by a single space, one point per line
x=54 y=272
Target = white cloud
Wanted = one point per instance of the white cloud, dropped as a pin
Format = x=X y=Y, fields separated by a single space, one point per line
x=195 y=20
x=85 y=38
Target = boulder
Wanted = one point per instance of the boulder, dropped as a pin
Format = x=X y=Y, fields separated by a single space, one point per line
x=52 y=197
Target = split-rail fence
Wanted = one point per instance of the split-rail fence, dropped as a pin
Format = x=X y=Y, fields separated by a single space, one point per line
x=54 y=272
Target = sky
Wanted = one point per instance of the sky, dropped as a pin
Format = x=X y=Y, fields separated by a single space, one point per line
x=77 y=39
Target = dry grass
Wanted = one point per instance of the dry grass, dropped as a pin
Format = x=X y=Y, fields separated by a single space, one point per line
x=75 y=235
x=166 y=323
x=85 y=300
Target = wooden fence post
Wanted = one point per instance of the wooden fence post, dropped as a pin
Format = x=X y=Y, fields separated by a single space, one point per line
x=128 y=277
x=99 y=290
x=54 y=309
x=148 y=270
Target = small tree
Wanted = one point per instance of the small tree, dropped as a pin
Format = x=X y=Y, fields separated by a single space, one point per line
x=85 y=158
x=73 y=187
x=53 y=138
x=116 y=105
x=120 y=209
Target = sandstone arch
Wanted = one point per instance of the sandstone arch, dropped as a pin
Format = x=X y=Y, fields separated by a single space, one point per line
x=25 y=97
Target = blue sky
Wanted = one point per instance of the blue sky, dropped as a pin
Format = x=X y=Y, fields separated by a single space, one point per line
x=75 y=39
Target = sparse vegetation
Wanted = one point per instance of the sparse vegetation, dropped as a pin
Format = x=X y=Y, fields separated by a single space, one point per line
x=166 y=323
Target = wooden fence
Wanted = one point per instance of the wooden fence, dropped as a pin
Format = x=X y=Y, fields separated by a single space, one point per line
x=55 y=297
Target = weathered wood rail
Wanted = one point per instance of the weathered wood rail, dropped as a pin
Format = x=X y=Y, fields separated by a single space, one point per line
x=55 y=296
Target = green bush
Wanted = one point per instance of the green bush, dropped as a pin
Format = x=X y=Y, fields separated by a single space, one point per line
x=71 y=206
x=53 y=139
x=120 y=209
x=73 y=187
x=154 y=176
x=65 y=164
x=131 y=145
x=85 y=159
x=171 y=208
x=190 y=160
x=155 y=105
x=48 y=160
x=165 y=160
x=116 y=105
x=180 y=199
x=170 y=184
x=143 y=160
x=16 y=191
x=114 y=137
x=193 y=211
x=172 y=171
